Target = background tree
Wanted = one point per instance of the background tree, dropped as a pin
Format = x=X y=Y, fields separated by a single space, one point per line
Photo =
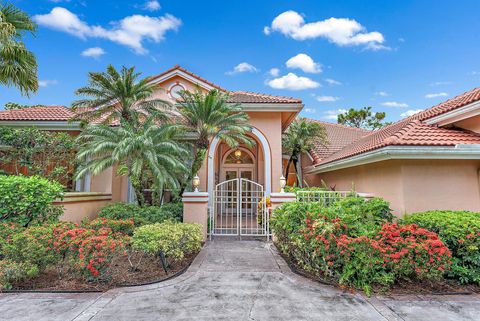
x=115 y=95
x=362 y=118
x=300 y=138
x=148 y=153
x=11 y=105
x=18 y=65
x=210 y=115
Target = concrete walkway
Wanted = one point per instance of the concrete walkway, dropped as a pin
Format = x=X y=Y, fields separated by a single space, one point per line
x=235 y=280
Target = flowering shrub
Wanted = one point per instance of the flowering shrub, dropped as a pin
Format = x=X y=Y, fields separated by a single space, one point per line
x=11 y=272
x=460 y=231
x=89 y=251
x=172 y=240
x=117 y=226
x=329 y=243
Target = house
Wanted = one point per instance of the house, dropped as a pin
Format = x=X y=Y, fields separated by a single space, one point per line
x=428 y=161
x=240 y=178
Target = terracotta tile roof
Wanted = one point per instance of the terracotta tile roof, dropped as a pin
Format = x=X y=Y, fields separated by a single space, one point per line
x=449 y=105
x=338 y=135
x=41 y=113
x=251 y=97
x=407 y=132
x=411 y=131
x=188 y=72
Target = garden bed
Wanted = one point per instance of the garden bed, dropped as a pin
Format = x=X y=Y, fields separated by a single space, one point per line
x=121 y=274
x=406 y=287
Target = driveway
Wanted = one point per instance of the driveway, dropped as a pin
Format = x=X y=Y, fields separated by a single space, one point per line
x=235 y=280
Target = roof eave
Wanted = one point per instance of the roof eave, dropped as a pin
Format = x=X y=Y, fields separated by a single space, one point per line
x=44 y=124
x=456 y=115
x=461 y=151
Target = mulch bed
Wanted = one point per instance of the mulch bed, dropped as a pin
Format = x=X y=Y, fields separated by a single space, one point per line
x=149 y=270
x=441 y=287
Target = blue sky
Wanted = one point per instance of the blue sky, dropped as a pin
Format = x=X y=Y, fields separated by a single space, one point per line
x=396 y=56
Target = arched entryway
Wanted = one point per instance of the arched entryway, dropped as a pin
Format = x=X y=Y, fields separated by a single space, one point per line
x=239 y=180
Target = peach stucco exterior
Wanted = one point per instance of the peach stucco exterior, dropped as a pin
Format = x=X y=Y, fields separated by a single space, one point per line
x=412 y=185
x=415 y=184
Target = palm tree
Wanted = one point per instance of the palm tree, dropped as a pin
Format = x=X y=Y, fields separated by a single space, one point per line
x=209 y=115
x=146 y=153
x=299 y=138
x=114 y=95
x=18 y=66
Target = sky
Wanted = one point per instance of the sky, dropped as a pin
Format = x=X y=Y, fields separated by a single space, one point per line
x=396 y=56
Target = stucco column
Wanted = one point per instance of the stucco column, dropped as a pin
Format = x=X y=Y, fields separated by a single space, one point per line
x=277 y=199
x=195 y=209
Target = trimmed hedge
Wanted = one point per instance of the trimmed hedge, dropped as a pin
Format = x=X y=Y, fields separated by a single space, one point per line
x=28 y=199
x=460 y=230
x=143 y=215
x=172 y=241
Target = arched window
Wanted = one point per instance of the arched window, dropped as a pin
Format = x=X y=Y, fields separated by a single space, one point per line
x=238 y=156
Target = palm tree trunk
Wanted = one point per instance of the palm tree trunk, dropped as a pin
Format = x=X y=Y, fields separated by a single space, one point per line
x=295 y=163
x=287 y=169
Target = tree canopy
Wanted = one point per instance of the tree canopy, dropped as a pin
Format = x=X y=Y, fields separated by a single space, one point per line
x=363 y=118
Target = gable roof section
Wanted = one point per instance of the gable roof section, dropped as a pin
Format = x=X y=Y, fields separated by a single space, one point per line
x=40 y=113
x=404 y=133
x=412 y=131
x=338 y=135
x=449 y=105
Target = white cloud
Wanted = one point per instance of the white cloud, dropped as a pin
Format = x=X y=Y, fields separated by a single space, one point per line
x=332 y=82
x=304 y=62
x=310 y=110
x=340 y=31
x=381 y=93
x=436 y=95
x=94 y=52
x=292 y=82
x=475 y=73
x=440 y=83
x=326 y=98
x=131 y=31
x=242 y=67
x=152 y=5
x=333 y=114
x=274 y=72
x=46 y=83
x=394 y=104
x=410 y=112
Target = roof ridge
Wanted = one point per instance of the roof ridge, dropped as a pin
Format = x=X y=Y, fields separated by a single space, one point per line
x=341 y=125
x=396 y=137
x=263 y=94
x=177 y=66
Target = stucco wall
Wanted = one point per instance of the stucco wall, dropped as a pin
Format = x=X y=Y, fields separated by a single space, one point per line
x=412 y=185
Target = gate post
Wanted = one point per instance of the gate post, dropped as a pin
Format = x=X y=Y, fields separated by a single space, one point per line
x=195 y=209
x=277 y=199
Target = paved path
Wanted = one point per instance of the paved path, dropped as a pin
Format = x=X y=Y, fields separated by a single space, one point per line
x=235 y=280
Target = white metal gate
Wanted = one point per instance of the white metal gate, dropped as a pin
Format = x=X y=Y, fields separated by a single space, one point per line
x=239 y=208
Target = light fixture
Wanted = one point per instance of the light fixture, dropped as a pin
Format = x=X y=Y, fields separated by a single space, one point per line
x=196 y=182
x=283 y=182
x=237 y=153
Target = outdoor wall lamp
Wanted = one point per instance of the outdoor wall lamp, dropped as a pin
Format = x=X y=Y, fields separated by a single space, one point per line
x=196 y=182
x=283 y=182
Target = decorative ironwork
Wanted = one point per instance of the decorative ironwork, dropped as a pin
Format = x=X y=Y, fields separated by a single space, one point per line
x=239 y=209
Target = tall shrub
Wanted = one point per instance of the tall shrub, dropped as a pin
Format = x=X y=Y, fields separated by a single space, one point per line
x=27 y=199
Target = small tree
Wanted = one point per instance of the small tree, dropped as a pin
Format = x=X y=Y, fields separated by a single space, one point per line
x=18 y=65
x=362 y=118
x=299 y=138
x=149 y=153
